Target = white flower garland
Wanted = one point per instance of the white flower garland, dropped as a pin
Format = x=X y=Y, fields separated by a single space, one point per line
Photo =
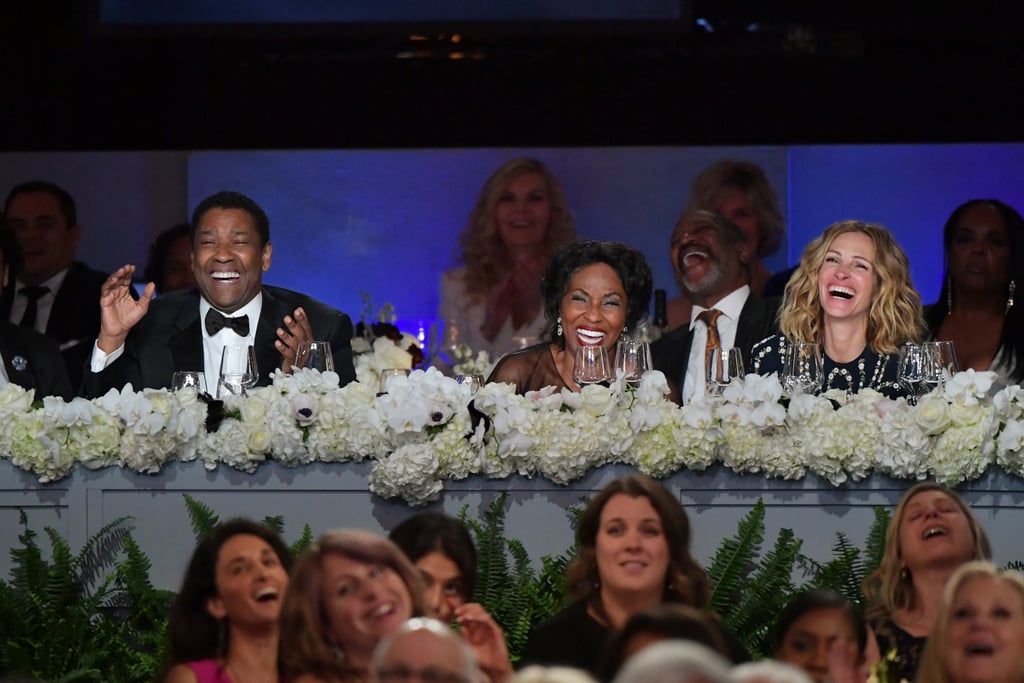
x=422 y=433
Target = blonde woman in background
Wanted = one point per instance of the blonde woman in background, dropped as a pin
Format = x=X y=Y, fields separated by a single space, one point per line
x=492 y=302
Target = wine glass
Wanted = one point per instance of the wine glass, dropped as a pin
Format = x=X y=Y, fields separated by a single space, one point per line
x=474 y=382
x=724 y=365
x=315 y=355
x=591 y=365
x=941 y=361
x=385 y=376
x=237 y=370
x=189 y=379
x=802 y=371
x=633 y=357
x=913 y=371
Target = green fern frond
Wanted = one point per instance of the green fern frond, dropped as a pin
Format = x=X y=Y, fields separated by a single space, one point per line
x=201 y=516
x=274 y=523
x=303 y=543
x=733 y=561
x=874 y=545
x=101 y=549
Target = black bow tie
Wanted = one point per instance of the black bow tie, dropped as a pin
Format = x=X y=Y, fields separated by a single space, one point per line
x=215 y=322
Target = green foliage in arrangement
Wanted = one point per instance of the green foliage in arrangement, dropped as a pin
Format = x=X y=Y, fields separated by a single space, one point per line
x=96 y=616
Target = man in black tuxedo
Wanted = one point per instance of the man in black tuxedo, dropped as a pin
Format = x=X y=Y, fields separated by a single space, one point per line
x=145 y=341
x=30 y=359
x=53 y=294
x=711 y=259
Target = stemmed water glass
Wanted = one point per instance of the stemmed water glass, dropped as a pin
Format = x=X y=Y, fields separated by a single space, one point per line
x=189 y=379
x=474 y=382
x=941 y=362
x=591 y=365
x=724 y=365
x=913 y=370
x=802 y=371
x=237 y=370
x=633 y=357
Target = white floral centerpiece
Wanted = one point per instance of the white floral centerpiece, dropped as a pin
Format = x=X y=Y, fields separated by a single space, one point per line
x=423 y=432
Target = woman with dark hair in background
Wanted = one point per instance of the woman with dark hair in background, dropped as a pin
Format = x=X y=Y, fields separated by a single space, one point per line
x=593 y=292
x=519 y=220
x=441 y=548
x=983 y=242
x=223 y=626
x=821 y=631
x=634 y=553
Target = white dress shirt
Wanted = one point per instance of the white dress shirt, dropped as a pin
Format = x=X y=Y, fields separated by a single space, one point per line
x=44 y=304
x=212 y=346
x=731 y=305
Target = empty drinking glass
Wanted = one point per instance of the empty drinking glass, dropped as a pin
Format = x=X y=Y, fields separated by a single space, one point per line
x=314 y=355
x=724 y=365
x=633 y=357
x=591 y=365
x=802 y=371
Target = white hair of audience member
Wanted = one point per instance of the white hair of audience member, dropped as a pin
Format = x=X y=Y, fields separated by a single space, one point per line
x=435 y=627
x=769 y=671
x=675 y=661
x=553 y=674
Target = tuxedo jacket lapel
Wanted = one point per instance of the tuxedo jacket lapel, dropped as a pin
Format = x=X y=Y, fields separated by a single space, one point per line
x=186 y=343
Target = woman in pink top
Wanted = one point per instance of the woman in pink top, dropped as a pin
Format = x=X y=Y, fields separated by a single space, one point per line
x=224 y=621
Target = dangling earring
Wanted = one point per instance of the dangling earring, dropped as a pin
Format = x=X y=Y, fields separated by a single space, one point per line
x=625 y=329
x=558 y=333
x=904 y=574
x=949 y=295
x=1009 y=298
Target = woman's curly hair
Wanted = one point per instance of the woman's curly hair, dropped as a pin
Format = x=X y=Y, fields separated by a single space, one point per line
x=895 y=315
x=482 y=251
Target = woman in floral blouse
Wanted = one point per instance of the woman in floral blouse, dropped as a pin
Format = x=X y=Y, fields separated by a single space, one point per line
x=852 y=295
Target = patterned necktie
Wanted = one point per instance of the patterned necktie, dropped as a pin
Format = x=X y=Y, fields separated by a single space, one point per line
x=710 y=319
x=34 y=294
x=215 y=322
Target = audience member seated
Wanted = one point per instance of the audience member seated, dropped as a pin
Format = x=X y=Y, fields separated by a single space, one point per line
x=984 y=249
x=851 y=295
x=979 y=630
x=931 y=534
x=425 y=649
x=350 y=591
x=170 y=260
x=676 y=661
x=593 y=292
x=30 y=359
x=223 y=625
x=669 y=621
x=144 y=342
x=711 y=263
x=770 y=671
x=821 y=632
x=740 y=191
x=492 y=302
x=442 y=549
x=53 y=294
x=634 y=553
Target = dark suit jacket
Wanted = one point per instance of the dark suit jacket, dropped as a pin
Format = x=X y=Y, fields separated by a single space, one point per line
x=170 y=338
x=74 y=321
x=33 y=361
x=758 y=319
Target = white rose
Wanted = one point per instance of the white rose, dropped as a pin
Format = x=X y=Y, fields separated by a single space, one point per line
x=932 y=414
x=596 y=399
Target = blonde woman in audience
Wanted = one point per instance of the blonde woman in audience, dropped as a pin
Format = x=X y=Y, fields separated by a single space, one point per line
x=492 y=302
x=931 y=534
x=979 y=631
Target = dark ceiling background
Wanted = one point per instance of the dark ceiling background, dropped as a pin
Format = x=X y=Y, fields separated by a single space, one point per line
x=817 y=72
